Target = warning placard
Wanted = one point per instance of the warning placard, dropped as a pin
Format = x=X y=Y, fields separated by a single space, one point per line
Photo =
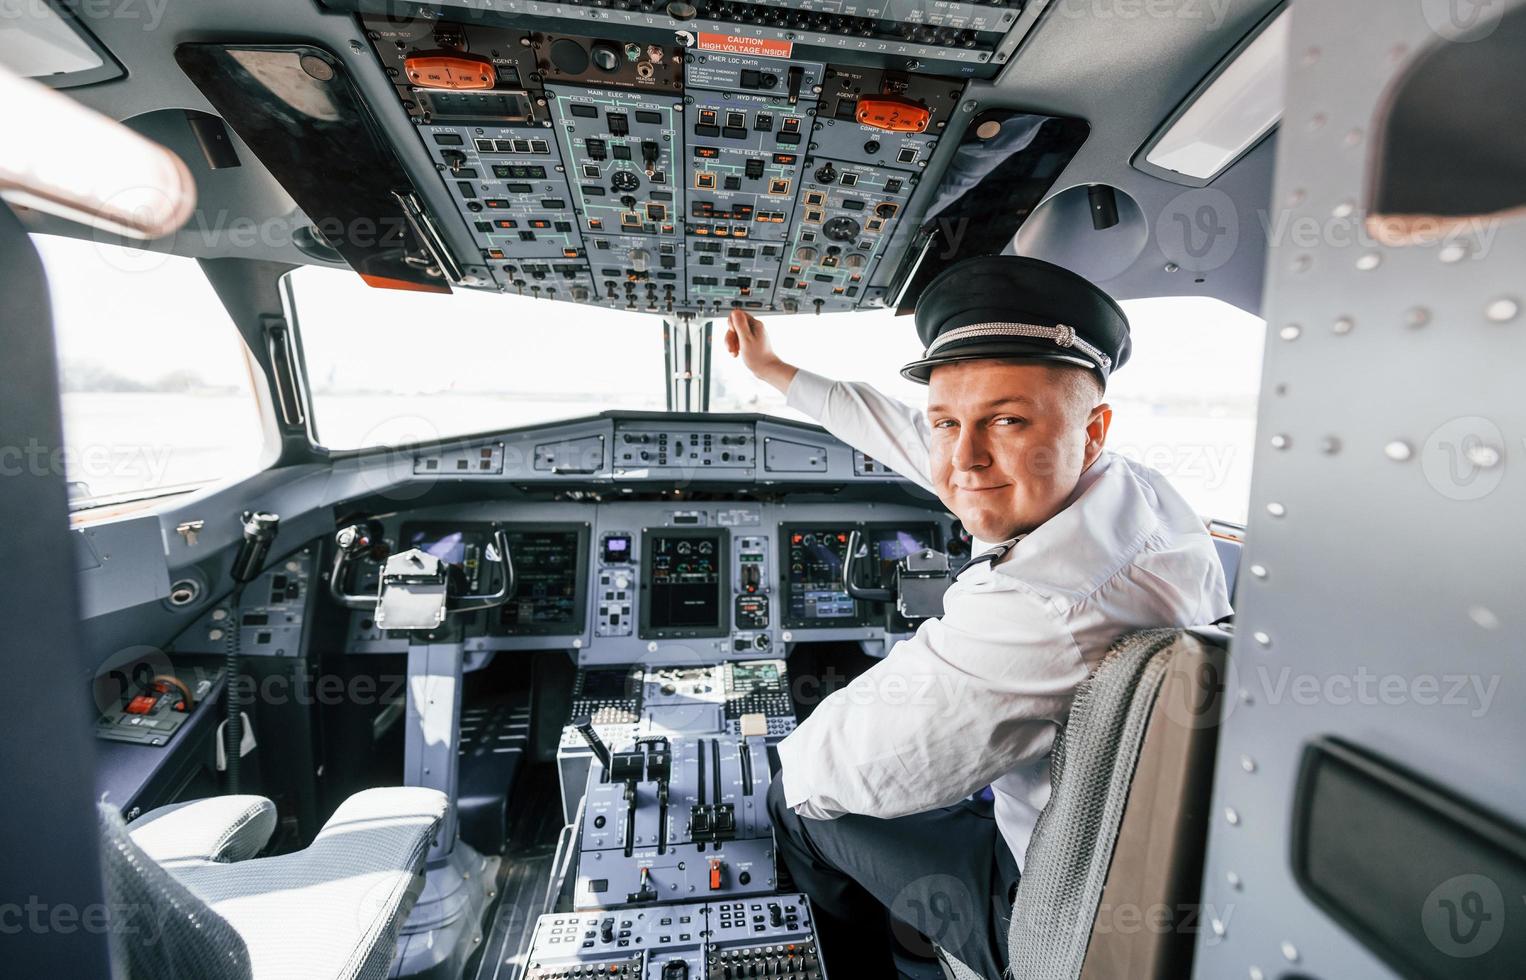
x=737 y=44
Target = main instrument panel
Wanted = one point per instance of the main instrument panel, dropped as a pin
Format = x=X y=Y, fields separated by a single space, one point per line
x=658 y=583
x=682 y=172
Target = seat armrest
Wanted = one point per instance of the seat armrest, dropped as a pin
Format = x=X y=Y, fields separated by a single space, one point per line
x=217 y=829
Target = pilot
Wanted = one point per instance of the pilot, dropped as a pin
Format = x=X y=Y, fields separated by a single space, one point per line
x=875 y=806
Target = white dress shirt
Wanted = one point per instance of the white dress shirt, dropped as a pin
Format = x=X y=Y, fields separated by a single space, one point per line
x=976 y=698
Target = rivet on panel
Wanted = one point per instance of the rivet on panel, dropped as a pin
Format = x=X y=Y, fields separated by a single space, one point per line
x=1484 y=617
x=1398 y=52
x=1329 y=445
x=1296 y=196
x=1311 y=57
x=1482 y=455
x=1369 y=261
x=1245 y=697
x=1280 y=389
x=1416 y=317
x=1354 y=137
x=1280 y=441
x=1342 y=326
x=1503 y=310
x=1345 y=209
x=1398 y=451
x=1290 y=332
x=1262 y=638
x=1232 y=815
x=1247 y=763
x=1233 y=879
x=1217 y=925
x=1172 y=267
x=1258 y=570
x=1452 y=253
x=1256 y=974
x=1289 y=952
x=1276 y=509
x=1317 y=121
x=1301 y=263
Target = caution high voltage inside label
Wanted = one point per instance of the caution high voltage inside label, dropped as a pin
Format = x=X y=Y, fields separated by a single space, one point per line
x=737 y=44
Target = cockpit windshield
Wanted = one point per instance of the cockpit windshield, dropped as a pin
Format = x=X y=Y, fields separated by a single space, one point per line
x=390 y=368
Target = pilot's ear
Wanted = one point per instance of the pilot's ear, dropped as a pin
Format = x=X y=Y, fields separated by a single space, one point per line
x=1097 y=424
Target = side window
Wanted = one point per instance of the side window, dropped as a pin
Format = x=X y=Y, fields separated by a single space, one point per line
x=157 y=390
x=1186 y=401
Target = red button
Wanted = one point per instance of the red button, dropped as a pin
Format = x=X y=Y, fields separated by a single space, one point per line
x=142 y=704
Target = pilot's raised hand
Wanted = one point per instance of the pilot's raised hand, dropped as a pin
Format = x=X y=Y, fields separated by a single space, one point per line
x=746 y=338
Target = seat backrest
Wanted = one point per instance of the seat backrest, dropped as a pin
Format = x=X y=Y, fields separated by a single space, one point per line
x=1150 y=911
x=159 y=928
x=1116 y=858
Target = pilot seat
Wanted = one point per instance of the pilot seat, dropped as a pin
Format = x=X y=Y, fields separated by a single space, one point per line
x=189 y=899
x=1124 y=832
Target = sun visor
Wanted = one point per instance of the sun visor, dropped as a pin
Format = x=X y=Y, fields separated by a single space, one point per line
x=298 y=110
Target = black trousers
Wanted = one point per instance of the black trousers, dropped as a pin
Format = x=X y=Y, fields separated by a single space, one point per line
x=945 y=874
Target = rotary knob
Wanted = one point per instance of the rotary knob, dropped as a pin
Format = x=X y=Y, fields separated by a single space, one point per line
x=606 y=57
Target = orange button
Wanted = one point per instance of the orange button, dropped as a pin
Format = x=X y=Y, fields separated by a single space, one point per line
x=893 y=113
x=715 y=875
x=450 y=71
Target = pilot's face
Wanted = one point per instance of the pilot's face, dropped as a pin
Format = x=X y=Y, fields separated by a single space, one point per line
x=1010 y=441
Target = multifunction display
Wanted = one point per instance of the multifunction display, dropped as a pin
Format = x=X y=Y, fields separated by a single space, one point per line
x=549 y=573
x=454 y=544
x=813 y=577
x=682 y=582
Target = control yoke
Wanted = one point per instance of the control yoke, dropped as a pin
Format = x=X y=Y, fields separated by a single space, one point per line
x=921 y=578
x=415 y=591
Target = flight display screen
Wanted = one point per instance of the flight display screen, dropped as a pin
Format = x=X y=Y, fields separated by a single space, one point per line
x=683 y=575
x=452 y=544
x=813 y=577
x=547 y=578
x=448 y=546
x=891 y=544
x=610 y=684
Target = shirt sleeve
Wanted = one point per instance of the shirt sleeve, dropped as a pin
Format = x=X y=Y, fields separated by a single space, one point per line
x=880 y=427
x=970 y=697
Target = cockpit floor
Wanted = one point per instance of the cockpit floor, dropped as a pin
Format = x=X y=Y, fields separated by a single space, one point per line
x=524 y=878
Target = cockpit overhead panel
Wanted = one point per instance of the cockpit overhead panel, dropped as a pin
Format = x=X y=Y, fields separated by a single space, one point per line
x=676 y=173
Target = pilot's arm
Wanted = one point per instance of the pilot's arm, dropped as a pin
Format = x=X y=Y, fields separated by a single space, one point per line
x=967 y=699
x=880 y=427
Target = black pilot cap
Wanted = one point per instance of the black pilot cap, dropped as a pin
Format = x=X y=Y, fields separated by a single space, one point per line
x=1014 y=308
